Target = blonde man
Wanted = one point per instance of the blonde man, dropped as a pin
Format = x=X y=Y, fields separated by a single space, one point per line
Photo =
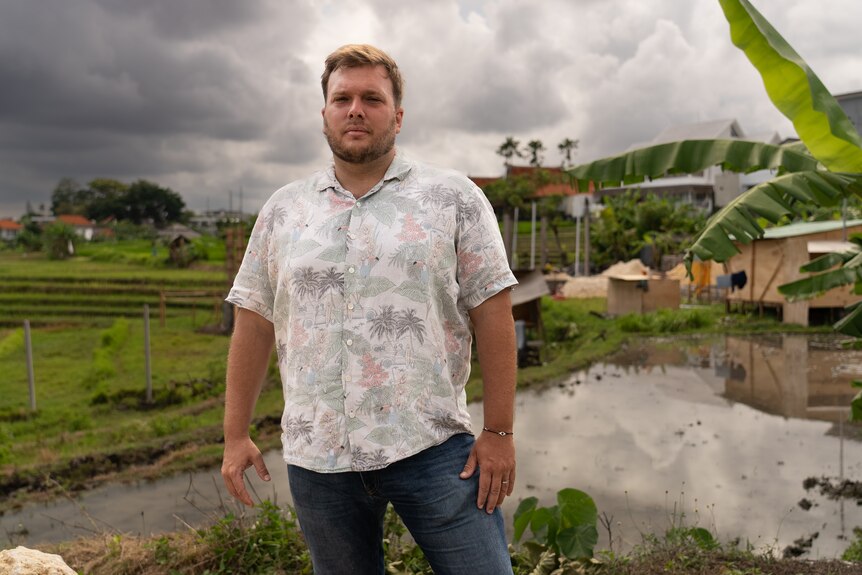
x=367 y=278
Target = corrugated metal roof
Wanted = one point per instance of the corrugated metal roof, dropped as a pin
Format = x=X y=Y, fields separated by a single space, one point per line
x=805 y=228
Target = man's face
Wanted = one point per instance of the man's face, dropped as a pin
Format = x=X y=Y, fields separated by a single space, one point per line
x=360 y=120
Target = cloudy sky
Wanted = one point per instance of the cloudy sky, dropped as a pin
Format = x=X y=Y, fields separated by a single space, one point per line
x=213 y=96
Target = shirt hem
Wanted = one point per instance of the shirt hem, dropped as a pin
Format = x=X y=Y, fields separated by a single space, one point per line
x=293 y=461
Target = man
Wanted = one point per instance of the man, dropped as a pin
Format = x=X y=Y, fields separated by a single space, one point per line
x=366 y=277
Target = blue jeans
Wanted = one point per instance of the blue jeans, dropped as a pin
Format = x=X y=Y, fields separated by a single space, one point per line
x=341 y=514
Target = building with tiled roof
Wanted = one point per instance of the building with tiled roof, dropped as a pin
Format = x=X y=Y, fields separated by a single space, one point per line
x=9 y=230
x=560 y=184
x=85 y=228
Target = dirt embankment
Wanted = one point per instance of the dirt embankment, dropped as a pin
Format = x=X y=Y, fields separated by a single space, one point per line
x=19 y=486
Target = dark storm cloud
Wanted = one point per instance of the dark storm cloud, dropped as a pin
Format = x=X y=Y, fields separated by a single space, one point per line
x=144 y=89
x=122 y=80
x=188 y=18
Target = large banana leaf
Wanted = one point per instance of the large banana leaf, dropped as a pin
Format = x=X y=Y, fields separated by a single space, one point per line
x=772 y=200
x=689 y=156
x=795 y=89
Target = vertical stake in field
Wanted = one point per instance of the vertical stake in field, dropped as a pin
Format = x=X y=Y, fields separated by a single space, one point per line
x=30 y=379
x=147 y=353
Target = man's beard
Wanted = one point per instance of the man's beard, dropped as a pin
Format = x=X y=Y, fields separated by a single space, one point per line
x=378 y=147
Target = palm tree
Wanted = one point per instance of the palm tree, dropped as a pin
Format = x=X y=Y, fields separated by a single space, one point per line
x=508 y=149
x=410 y=323
x=566 y=148
x=821 y=170
x=384 y=323
x=535 y=149
x=305 y=282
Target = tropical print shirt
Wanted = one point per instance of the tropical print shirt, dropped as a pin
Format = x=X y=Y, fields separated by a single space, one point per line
x=369 y=302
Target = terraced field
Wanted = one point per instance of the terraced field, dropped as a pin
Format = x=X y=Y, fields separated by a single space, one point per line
x=81 y=291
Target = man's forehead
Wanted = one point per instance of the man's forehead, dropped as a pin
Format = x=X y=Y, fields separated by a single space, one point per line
x=353 y=74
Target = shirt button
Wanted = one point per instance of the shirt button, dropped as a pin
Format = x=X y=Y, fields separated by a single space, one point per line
x=350 y=306
x=351 y=269
x=358 y=204
x=349 y=342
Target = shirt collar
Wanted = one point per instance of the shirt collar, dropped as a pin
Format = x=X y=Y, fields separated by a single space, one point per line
x=397 y=170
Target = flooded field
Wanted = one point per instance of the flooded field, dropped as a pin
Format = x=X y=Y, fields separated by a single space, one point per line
x=720 y=432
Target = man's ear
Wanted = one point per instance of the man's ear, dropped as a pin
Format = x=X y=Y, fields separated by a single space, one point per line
x=399 y=117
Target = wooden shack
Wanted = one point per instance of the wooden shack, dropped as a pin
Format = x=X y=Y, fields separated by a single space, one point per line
x=527 y=313
x=641 y=294
x=775 y=260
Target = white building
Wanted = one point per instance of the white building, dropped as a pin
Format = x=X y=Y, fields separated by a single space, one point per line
x=712 y=188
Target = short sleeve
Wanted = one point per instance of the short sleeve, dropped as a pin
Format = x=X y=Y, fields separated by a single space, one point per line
x=483 y=269
x=252 y=287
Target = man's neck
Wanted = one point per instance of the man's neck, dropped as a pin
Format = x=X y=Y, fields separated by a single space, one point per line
x=359 y=178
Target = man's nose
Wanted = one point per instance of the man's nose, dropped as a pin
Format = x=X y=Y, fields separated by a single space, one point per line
x=356 y=110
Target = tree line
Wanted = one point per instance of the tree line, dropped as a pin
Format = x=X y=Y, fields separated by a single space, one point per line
x=107 y=199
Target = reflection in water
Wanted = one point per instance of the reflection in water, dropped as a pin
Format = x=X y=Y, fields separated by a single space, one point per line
x=720 y=433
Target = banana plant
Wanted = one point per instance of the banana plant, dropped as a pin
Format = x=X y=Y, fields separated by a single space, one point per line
x=822 y=169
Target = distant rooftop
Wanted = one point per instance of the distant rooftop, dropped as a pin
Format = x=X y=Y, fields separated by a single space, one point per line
x=804 y=228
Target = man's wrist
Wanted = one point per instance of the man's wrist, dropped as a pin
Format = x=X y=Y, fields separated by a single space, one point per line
x=500 y=432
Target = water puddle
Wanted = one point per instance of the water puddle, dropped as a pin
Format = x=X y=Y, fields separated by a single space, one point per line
x=720 y=433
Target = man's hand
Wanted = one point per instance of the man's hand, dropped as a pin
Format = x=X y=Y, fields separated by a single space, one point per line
x=239 y=455
x=495 y=457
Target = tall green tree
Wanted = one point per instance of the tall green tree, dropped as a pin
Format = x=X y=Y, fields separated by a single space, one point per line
x=636 y=219
x=106 y=198
x=68 y=197
x=567 y=147
x=147 y=202
x=534 y=149
x=510 y=148
x=818 y=172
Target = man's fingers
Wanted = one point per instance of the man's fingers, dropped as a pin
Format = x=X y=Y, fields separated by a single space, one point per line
x=260 y=467
x=236 y=486
x=496 y=494
x=470 y=466
x=484 y=488
x=511 y=485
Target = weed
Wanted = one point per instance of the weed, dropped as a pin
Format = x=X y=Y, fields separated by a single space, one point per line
x=270 y=543
x=854 y=551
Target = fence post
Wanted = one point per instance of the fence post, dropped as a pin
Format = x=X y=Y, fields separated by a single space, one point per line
x=147 y=353
x=31 y=380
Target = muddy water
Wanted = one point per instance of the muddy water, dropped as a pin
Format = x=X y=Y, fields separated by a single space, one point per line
x=719 y=433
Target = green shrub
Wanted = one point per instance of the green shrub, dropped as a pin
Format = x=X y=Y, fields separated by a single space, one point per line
x=854 y=551
x=58 y=241
x=568 y=529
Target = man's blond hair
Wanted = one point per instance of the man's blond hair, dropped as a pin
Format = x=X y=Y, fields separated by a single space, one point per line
x=353 y=55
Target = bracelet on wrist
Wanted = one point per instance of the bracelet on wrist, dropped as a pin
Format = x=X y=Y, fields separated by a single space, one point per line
x=500 y=433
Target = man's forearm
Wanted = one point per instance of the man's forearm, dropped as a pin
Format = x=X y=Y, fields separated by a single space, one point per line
x=495 y=343
x=248 y=359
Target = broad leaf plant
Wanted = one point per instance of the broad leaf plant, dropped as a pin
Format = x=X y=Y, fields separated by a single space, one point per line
x=821 y=170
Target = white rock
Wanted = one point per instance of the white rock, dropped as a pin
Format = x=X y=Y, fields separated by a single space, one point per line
x=24 y=561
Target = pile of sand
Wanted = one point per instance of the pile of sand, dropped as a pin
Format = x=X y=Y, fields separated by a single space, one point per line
x=597 y=286
x=630 y=268
x=585 y=286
